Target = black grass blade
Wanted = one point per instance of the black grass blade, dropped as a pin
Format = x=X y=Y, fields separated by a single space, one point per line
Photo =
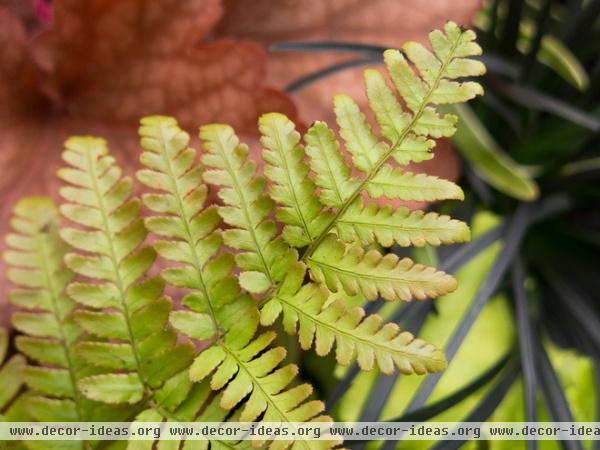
x=327 y=46
x=575 y=304
x=313 y=77
x=541 y=23
x=341 y=387
x=432 y=410
x=510 y=32
x=384 y=384
x=485 y=409
x=526 y=345
x=553 y=394
x=532 y=99
x=515 y=232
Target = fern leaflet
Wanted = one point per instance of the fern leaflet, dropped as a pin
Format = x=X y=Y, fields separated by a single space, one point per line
x=368 y=338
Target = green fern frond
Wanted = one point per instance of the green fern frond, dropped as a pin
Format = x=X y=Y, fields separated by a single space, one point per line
x=126 y=314
x=407 y=130
x=45 y=313
x=215 y=293
x=309 y=314
x=298 y=206
x=190 y=237
x=369 y=223
x=349 y=268
x=264 y=257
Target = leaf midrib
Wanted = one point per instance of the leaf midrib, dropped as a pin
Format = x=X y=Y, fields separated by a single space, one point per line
x=54 y=293
x=186 y=221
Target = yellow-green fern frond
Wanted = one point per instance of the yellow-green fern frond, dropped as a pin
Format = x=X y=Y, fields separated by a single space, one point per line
x=45 y=314
x=264 y=257
x=252 y=378
x=332 y=174
x=126 y=314
x=369 y=223
x=189 y=236
x=393 y=183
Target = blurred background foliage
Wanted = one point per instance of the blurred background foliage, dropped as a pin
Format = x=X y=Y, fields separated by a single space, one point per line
x=522 y=332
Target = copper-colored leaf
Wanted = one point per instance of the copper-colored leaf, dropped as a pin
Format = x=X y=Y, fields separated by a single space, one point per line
x=101 y=66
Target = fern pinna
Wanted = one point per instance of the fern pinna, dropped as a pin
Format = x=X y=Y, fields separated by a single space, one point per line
x=302 y=242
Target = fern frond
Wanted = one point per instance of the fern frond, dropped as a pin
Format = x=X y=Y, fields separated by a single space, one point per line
x=369 y=223
x=351 y=269
x=298 y=206
x=407 y=130
x=36 y=267
x=127 y=314
x=264 y=257
x=189 y=235
x=239 y=368
x=309 y=314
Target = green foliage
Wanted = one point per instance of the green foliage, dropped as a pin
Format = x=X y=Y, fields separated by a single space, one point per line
x=125 y=315
x=45 y=315
x=113 y=330
x=263 y=256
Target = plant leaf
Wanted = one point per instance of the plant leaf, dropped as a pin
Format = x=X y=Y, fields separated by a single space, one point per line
x=367 y=338
x=488 y=159
x=188 y=230
x=351 y=269
x=134 y=319
x=369 y=223
x=264 y=257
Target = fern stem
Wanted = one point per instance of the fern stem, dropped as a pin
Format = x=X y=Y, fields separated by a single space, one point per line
x=342 y=210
